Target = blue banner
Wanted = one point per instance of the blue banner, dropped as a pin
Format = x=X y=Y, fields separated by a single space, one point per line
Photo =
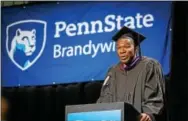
x=67 y=42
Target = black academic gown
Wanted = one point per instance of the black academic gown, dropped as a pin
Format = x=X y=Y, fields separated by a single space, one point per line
x=142 y=86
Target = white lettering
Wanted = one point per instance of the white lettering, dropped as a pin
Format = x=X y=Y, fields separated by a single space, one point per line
x=119 y=19
x=63 y=51
x=86 y=30
x=60 y=26
x=93 y=27
x=87 y=48
x=114 y=47
x=57 y=51
x=105 y=47
x=78 y=47
x=71 y=27
x=138 y=18
x=130 y=22
x=110 y=23
x=148 y=19
x=95 y=49
x=70 y=51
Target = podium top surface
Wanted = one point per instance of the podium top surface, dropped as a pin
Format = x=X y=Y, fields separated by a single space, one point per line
x=95 y=107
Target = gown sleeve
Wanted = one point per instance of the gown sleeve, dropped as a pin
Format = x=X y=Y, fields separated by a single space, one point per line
x=153 y=99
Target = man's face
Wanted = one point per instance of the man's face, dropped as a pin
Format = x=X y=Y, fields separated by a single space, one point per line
x=125 y=50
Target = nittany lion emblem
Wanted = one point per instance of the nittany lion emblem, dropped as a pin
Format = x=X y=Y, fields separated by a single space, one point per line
x=25 y=42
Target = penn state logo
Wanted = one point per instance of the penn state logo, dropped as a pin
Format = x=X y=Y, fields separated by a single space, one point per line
x=25 y=42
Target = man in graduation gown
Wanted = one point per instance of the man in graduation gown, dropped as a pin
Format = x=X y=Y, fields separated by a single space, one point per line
x=136 y=79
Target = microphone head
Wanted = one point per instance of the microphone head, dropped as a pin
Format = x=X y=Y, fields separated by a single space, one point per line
x=107 y=79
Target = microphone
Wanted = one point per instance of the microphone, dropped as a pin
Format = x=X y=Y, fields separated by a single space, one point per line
x=107 y=79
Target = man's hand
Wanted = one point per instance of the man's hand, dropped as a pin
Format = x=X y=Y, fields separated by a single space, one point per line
x=144 y=117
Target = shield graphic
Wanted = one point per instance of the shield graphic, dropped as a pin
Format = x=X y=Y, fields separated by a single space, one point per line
x=25 y=42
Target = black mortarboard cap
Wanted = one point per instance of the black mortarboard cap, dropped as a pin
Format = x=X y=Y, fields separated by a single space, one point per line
x=125 y=31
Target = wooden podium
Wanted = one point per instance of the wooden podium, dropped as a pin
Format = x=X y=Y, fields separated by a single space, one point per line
x=118 y=111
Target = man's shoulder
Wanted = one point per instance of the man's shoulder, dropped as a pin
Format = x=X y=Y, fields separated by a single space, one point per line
x=151 y=62
x=114 y=67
